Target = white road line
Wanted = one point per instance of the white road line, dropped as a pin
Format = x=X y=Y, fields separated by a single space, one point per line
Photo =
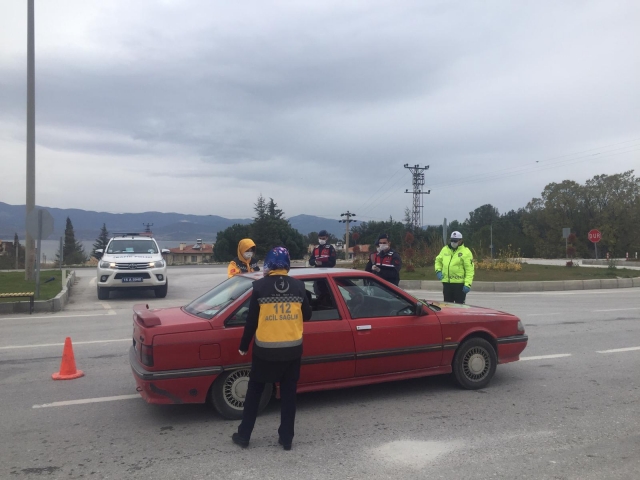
x=108 y=308
x=87 y=400
x=541 y=314
x=59 y=317
x=616 y=350
x=544 y=357
x=618 y=309
x=16 y=347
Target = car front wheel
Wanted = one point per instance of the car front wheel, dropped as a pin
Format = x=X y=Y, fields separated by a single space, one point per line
x=161 y=291
x=103 y=293
x=229 y=391
x=474 y=364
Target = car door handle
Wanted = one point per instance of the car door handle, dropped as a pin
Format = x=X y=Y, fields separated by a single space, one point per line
x=363 y=327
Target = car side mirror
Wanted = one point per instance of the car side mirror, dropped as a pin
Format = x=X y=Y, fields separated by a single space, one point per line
x=99 y=253
x=420 y=311
x=165 y=251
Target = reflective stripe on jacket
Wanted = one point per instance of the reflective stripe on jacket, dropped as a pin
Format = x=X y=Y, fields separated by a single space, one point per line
x=279 y=305
x=456 y=265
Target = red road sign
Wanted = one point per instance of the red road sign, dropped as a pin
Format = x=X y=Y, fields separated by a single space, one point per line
x=594 y=235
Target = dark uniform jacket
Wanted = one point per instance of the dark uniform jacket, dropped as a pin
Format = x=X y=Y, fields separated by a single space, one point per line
x=278 y=307
x=389 y=263
x=326 y=254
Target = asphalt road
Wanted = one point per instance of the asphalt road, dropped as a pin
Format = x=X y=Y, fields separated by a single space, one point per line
x=569 y=410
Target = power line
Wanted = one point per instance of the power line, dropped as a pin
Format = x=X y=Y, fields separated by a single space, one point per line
x=418 y=183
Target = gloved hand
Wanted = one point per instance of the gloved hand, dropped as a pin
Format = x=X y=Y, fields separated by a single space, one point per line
x=439 y=275
x=466 y=289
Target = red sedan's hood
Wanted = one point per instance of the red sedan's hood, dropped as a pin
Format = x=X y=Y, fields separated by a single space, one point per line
x=448 y=309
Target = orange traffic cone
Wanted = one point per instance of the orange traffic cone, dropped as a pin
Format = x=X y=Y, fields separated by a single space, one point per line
x=68 y=369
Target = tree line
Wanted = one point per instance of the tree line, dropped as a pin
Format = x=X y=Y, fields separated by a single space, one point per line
x=609 y=203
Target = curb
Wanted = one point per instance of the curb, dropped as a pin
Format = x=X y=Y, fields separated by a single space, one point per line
x=55 y=304
x=550 y=286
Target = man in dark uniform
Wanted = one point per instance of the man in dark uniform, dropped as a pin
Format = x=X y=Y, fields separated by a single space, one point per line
x=323 y=255
x=385 y=263
x=277 y=309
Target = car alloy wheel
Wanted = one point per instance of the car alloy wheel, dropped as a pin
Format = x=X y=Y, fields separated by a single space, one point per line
x=235 y=388
x=228 y=392
x=474 y=363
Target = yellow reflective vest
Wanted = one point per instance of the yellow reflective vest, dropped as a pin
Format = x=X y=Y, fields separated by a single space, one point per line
x=456 y=265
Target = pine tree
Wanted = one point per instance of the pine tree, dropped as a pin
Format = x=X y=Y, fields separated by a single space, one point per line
x=73 y=251
x=101 y=241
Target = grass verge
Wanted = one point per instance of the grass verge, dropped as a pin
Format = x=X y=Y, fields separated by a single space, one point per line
x=530 y=273
x=14 y=282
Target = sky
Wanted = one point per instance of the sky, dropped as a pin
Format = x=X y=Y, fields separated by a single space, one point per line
x=198 y=107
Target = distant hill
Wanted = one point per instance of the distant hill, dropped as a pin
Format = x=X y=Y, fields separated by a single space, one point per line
x=166 y=226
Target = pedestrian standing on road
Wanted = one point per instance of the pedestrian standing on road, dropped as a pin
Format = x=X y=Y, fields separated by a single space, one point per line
x=245 y=261
x=323 y=255
x=454 y=268
x=277 y=309
x=385 y=263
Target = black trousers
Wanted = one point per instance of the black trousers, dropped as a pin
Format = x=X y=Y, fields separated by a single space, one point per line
x=453 y=292
x=288 y=386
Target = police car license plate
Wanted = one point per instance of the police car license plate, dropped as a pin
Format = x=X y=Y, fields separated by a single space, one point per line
x=131 y=279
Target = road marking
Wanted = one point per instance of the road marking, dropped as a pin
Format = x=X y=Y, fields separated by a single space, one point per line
x=88 y=342
x=618 y=309
x=543 y=357
x=541 y=314
x=616 y=350
x=57 y=317
x=93 y=281
x=108 y=308
x=87 y=400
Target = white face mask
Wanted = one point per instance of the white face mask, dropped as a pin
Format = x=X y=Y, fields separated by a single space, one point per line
x=383 y=247
x=247 y=255
x=454 y=244
x=322 y=241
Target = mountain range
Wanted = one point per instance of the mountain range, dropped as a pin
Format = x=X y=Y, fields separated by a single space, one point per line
x=165 y=226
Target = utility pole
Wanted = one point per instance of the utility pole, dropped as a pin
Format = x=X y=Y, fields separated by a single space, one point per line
x=418 y=183
x=147 y=227
x=347 y=221
x=29 y=258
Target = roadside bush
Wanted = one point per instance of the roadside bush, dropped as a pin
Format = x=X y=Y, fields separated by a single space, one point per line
x=507 y=260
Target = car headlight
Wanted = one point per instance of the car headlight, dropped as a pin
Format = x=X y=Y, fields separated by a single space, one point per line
x=158 y=264
x=107 y=265
x=520 y=326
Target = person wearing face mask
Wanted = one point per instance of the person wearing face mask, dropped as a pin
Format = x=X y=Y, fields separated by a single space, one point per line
x=454 y=268
x=386 y=263
x=245 y=261
x=323 y=255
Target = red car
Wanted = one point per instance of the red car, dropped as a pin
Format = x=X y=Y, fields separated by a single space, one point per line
x=363 y=330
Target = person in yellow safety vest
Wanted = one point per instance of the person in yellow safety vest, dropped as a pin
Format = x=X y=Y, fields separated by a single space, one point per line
x=454 y=268
x=245 y=261
x=278 y=308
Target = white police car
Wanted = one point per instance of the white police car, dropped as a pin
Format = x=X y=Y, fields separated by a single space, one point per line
x=132 y=261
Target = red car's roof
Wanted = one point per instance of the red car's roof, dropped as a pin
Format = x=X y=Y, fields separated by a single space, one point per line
x=305 y=271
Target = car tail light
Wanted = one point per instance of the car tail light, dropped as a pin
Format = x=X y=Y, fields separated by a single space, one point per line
x=146 y=355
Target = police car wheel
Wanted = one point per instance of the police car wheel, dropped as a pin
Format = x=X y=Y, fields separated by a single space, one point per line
x=228 y=392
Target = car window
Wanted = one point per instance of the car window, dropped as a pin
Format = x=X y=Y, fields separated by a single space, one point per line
x=132 y=246
x=366 y=298
x=323 y=303
x=220 y=297
x=239 y=317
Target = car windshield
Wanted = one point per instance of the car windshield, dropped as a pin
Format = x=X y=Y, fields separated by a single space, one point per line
x=132 y=246
x=215 y=300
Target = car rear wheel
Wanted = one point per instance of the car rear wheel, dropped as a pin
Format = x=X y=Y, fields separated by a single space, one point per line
x=474 y=364
x=161 y=291
x=229 y=390
x=103 y=293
